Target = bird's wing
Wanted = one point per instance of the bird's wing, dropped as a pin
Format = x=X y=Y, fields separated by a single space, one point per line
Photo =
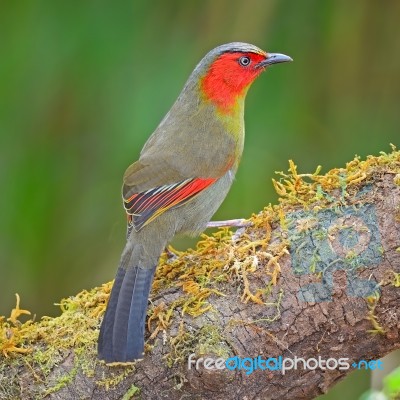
x=148 y=192
x=144 y=207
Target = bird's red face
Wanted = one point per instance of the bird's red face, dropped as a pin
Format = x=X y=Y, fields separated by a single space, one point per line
x=230 y=75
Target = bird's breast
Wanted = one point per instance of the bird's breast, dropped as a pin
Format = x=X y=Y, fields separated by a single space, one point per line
x=198 y=141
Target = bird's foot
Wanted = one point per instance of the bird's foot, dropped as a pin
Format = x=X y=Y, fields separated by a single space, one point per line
x=238 y=234
x=231 y=223
x=171 y=255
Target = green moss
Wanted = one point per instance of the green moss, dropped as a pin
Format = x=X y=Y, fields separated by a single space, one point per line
x=214 y=266
x=45 y=342
x=131 y=393
x=211 y=341
x=208 y=340
x=113 y=378
x=63 y=381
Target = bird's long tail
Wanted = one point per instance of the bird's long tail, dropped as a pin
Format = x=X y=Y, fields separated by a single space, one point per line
x=121 y=336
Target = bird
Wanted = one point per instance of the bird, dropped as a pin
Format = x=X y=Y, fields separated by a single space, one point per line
x=182 y=176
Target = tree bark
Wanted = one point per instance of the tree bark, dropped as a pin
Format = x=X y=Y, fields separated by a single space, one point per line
x=316 y=276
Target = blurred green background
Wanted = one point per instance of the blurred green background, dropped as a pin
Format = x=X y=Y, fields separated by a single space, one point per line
x=83 y=84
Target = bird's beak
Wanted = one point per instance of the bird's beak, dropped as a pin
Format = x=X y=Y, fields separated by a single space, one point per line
x=274 y=58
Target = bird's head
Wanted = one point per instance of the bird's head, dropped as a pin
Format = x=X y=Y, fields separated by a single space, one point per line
x=227 y=71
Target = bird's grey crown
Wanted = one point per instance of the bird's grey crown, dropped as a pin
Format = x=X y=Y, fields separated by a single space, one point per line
x=233 y=47
x=228 y=48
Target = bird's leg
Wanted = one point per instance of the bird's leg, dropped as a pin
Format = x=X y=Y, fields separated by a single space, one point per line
x=233 y=223
x=240 y=223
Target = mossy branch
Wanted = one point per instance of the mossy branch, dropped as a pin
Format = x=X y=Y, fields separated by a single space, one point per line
x=316 y=276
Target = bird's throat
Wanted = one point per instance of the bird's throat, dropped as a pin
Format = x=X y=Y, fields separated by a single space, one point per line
x=227 y=100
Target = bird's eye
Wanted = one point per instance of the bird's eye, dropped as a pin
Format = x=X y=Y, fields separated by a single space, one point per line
x=244 y=61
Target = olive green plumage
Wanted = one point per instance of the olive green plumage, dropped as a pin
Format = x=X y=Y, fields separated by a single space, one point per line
x=183 y=174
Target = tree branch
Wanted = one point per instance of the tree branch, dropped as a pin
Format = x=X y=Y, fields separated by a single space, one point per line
x=316 y=276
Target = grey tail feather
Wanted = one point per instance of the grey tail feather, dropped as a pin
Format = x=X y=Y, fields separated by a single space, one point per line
x=121 y=336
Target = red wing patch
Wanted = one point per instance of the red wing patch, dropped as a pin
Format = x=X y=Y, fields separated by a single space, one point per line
x=144 y=207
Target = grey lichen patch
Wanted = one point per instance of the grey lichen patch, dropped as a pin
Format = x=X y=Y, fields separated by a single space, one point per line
x=9 y=380
x=62 y=380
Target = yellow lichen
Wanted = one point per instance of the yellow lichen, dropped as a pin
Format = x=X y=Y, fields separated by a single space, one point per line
x=17 y=312
x=12 y=336
x=372 y=302
x=305 y=189
x=43 y=342
x=396 y=279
